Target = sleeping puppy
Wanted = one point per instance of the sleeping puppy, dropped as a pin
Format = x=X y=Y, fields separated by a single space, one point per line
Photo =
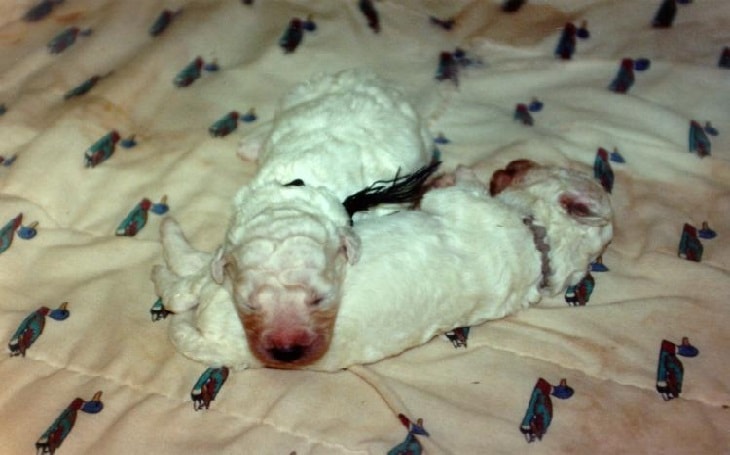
x=464 y=258
x=290 y=238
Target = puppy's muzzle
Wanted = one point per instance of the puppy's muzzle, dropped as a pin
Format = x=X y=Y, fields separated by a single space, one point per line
x=288 y=345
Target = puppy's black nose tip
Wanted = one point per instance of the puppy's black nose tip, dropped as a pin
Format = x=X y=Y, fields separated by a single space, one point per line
x=287 y=354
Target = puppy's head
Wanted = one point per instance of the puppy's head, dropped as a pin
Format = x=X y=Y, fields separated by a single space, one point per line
x=572 y=207
x=284 y=267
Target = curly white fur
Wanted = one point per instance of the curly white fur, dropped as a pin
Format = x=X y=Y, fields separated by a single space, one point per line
x=284 y=256
x=464 y=258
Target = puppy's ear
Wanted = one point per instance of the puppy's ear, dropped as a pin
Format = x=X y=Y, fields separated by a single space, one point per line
x=350 y=244
x=503 y=178
x=222 y=263
x=589 y=208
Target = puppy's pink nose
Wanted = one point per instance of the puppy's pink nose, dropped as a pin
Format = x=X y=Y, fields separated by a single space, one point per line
x=288 y=346
x=288 y=354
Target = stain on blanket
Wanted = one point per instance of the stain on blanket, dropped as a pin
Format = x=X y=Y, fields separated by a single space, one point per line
x=528 y=26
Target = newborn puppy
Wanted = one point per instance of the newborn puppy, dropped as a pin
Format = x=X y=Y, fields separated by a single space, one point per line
x=464 y=258
x=290 y=238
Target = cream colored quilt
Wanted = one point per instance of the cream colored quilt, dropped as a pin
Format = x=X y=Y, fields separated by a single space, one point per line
x=105 y=129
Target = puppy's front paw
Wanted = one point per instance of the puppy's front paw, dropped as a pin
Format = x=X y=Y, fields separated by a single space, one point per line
x=178 y=294
x=180 y=256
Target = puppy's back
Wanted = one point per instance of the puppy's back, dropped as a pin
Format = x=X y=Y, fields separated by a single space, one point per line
x=344 y=131
x=464 y=259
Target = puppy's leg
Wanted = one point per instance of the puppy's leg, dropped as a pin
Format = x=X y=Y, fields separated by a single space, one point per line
x=180 y=256
x=212 y=334
x=178 y=293
x=178 y=282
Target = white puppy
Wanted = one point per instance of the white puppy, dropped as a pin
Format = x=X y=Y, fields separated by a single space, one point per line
x=290 y=238
x=464 y=258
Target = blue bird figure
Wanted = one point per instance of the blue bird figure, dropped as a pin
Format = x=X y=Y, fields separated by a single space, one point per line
x=128 y=142
x=371 y=14
x=32 y=327
x=459 y=336
x=208 y=386
x=158 y=311
x=225 y=125
x=83 y=88
x=292 y=36
x=410 y=446
x=63 y=40
x=698 y=140
x=566 y=43
x=441 y=139
x=535 y=105
x=7 y=232
x=724 y=61
x=447 y=68
x=189 y=74
x=28 y=232
x=162 y=22
x=580 y=294
x=642 y=64
x=670 y=371
x=598 y=266
x=616 y=157
x=624 y=78
x=102 y=149
x=539 y=414
x=690 y=247
x=309 y=25
x=664 y=16
x=522 y=113
x=602 y=170
x=706 y=232
x=40 y=10
x=249 y=116
x=7 y=162
x=582 y=31
x=136 y=219
x=54 y=436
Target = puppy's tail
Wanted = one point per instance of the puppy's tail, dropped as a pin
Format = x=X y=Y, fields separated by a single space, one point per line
x=399 y=190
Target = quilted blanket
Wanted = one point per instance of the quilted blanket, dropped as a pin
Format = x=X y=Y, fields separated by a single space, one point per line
x=116 y=114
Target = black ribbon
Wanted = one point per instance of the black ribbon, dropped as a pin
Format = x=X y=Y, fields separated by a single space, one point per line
x=407 y=188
